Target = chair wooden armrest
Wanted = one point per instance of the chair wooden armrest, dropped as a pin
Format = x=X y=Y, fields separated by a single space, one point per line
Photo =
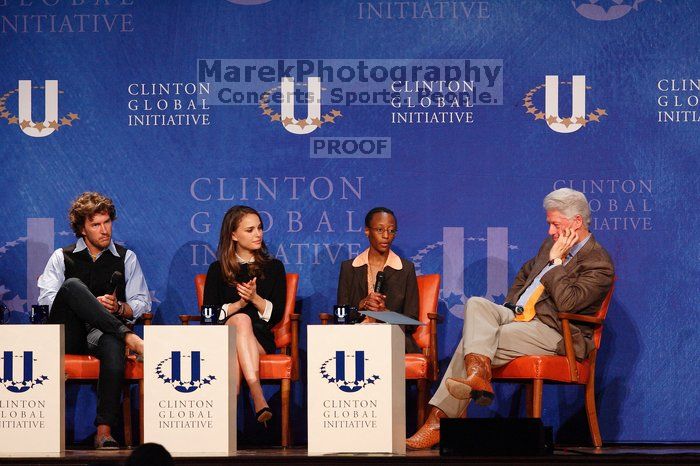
x=295 y=318
x=185 y=319
x=580 y=318
x=432 y=352
x=325 y=318
x=569 y=348
x=565 y=317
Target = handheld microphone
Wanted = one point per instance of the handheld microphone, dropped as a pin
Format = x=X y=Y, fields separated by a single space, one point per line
x=116 y=281
x=379 y=282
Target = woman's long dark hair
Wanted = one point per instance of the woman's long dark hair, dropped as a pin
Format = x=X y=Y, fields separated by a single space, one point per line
x=226 y=252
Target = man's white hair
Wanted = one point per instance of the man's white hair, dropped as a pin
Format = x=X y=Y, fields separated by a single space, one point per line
x=569 y=203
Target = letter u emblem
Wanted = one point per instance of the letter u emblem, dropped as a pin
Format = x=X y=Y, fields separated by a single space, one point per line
x=578 y=104
x=176 y=370
x=313 y=107
x=359 y=370
x=8 y=371
x=50 y=107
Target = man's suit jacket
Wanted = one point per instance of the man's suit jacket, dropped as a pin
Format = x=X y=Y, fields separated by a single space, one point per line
x=400 y=286
x=579 y=286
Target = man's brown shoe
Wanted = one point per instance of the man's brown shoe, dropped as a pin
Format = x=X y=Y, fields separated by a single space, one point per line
x=477 y=385
x=429 y=434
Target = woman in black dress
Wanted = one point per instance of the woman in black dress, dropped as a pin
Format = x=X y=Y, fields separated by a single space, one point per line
x=250 y=286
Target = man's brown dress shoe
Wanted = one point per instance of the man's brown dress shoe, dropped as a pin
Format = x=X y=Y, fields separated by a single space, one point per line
x=429 y=434
x=477 y=385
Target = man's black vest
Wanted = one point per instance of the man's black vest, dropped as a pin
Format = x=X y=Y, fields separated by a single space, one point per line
x=96 y=275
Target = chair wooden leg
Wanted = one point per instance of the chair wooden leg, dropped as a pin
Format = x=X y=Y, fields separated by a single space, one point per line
x=528 y=399
x=141 y=411
x=537 y=386
x=286 y=394
x=126 y=407
x=592 y=414
x=422 y=402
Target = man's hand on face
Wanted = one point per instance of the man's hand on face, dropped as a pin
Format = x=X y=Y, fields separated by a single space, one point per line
x=109 y=301
x=563 y=244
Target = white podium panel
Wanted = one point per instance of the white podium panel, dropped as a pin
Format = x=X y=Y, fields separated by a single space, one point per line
x=32 y=397
x=357 y=389
x=189 y=389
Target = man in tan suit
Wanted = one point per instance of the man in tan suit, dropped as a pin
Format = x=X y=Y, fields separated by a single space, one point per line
x=570 y=273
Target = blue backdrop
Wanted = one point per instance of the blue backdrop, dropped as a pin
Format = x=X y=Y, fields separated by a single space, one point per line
x=173 y=109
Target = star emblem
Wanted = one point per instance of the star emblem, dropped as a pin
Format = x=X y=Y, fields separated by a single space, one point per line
x=16 y=304
x=453 y=300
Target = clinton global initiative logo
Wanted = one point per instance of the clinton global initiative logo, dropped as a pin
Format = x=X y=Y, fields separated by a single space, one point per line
x=469 y=265
x=334 y=371
x=9 y=378
x=578 y=118
x=424 y=10
x=606 y=10
x=66 y=16
x=289 y=92
x=169 y=370
x=24 y=119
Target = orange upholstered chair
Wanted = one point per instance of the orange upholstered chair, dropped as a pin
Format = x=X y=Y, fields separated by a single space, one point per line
x=81 y=368
x=421 y=367
x=283 y=366
x=535 y=370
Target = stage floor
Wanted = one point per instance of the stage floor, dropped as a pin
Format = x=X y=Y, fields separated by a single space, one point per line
x=619 y=454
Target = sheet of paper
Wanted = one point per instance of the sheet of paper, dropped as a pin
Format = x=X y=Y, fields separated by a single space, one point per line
x=391 y=317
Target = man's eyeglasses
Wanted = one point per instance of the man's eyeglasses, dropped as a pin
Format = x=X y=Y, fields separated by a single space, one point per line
x=380 y=231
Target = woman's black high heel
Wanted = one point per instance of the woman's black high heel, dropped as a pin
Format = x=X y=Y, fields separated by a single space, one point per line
x=264 y=415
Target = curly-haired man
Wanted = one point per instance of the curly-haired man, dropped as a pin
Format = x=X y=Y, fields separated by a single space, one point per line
x=77 y=284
